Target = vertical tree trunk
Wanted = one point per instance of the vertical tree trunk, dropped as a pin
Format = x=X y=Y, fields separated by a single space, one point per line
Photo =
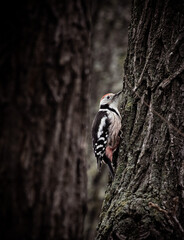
x=146 y=198
x=43 y=97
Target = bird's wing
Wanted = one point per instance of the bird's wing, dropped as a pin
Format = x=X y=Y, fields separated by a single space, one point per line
x=100 y=134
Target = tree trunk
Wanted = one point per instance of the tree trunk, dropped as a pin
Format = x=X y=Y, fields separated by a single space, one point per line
x=43 y=97
x=146 y=198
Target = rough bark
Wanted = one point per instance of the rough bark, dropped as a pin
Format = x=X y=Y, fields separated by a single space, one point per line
x=44 y=72
x=146 y=198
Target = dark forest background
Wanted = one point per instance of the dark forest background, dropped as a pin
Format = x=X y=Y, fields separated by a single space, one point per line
x=57 y=60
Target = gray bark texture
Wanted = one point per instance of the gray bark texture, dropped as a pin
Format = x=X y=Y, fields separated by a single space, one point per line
x=146 y=198
x=44 y=75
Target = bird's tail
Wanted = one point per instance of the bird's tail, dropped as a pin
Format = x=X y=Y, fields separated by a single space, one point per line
x=108 y=162
x=99 y=163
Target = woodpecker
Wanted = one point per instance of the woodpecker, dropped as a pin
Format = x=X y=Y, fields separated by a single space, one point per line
x=105 y=130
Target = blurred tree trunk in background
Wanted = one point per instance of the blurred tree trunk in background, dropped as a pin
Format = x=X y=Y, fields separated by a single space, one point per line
x=146 y=198
x=44 y=72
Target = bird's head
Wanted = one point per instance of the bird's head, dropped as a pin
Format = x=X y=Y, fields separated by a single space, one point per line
x=110 y=99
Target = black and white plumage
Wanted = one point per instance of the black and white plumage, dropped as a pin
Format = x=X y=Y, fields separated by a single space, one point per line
x=105 y=130
x=100 y=133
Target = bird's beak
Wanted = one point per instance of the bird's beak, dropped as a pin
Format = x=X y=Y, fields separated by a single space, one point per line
x=117 y=94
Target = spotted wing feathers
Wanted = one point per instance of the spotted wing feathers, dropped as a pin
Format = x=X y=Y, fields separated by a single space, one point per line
x=100 y=133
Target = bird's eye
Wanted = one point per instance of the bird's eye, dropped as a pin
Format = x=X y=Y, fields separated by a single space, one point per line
x=108 y=97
